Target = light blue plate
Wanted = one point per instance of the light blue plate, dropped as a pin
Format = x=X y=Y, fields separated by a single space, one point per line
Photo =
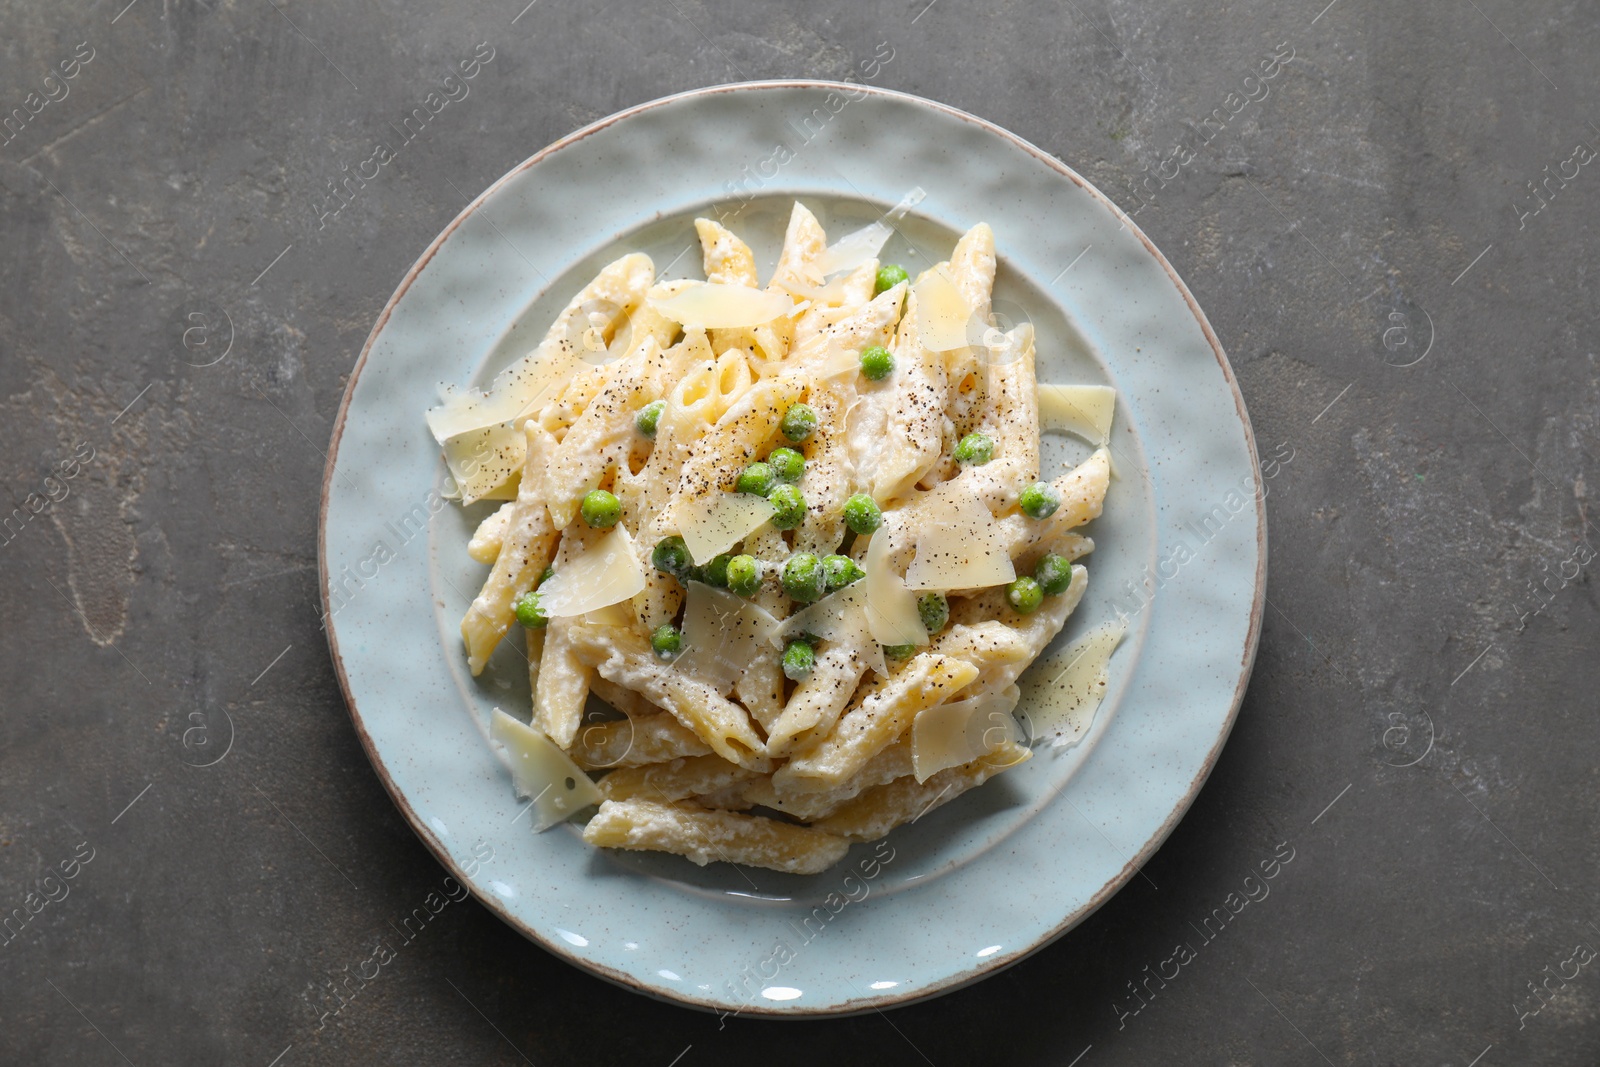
x=975 y=885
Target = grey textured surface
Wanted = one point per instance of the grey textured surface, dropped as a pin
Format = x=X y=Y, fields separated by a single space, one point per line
x=1371 y=210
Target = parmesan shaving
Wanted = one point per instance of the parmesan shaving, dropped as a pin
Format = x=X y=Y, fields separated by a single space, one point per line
x=942 y=313
x=948 y=735
x=714 y=523
x=518 y=389
x=607 y=572
x=1082 y=410
x=716 y=306
x=722 y=633
x=1067 y=686
x=540 y=770
x=959 y=545
x=892 y=616
x=618 y=614
x=834 y=293
x=485 y=462
x=854 y=249
x=840 y=617
x=839 y=361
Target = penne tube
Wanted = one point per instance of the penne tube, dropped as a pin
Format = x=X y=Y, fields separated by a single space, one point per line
x=597 y=445
x=491 y=534
x=705 y=836
x=719 y=722
x=896 y=442
x=563 y=684
x=819 y=700
x=528 y=543
x=893 y=762
x=727 y=260
x=875 y=721
x=633 y=741
x=675 y=779
x=714 y=463
x=881 y=808
x=1001 y=651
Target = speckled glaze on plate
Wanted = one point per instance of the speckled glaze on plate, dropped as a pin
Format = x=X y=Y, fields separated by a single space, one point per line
x=973 y=886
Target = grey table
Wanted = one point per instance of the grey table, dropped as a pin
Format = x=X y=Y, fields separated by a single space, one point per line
x=1394 y=237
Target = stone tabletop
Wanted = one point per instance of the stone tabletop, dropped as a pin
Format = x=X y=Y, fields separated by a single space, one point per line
x=1392 y=234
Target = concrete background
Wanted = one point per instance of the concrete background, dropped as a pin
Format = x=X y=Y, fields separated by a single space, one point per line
x=1373 y=210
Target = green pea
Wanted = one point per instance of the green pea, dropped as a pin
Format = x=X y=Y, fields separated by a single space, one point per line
x=744 y=577
x=1024 y=595
x=798 y=659
x=671 y=556
x=649 y=415
x=876 y=363
x=841 y=571
x=861 y=514
x=791 y=507
x=803 y=577
x=600 y=509
x=899 y=651
x=975 y=448
x=934 y=610
x=549 y=573
x=1040 y=500
x=666 y=641
x=529 y=613
x=787 y=464
x=1053 y=573
x=799 y=422
x=891 y=275
x=756 y=478
x=716 y=572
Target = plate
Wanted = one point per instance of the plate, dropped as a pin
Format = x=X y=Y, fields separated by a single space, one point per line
x=973 y=886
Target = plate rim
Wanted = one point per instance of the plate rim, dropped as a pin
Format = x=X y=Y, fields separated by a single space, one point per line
x=860 y=1004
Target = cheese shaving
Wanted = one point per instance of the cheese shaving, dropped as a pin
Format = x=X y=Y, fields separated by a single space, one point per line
x=942 y=313
x=521 y=387
x=717 y=306
x=607 y=572
x=486 y=462
x=959 y=545
x=892 y=616
x=840 y=617
x=854 y=249
x=839 y=361
x=1082 y=410
x=948 y=735
x=712 y=524
x=618 y=614
x=1067 y=686
x=540 y=770
x=832 y=294
x=722 y=633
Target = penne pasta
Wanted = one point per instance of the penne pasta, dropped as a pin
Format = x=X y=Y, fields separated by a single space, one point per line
x=719 y=722
x=633 y=741
x=491 y=533
x=704 y=836
x=527 y=545
x=874 y=722
x=674 y=780
x=882 y=808
x=819 y=700
x=691 y=494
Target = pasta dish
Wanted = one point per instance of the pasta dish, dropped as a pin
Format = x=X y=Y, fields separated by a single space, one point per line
x=794 y=534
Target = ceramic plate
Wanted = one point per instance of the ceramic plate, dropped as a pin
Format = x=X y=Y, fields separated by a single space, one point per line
x=973 y=886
